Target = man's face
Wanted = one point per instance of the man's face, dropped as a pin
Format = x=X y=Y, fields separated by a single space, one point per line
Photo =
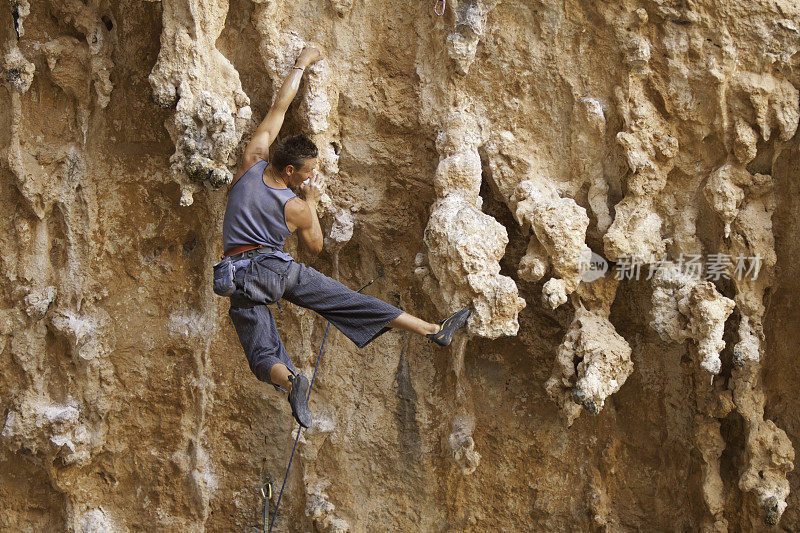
x=300 y=175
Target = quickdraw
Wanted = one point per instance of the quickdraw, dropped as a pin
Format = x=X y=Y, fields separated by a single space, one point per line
x=436 y=6
x=267 y=495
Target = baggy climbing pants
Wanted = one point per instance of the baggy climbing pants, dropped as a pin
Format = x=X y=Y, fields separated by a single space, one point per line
x=360 y=317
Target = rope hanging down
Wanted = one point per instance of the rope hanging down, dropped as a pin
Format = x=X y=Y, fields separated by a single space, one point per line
x=299 y=429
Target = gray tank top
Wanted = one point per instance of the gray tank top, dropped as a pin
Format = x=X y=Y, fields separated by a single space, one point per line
x=255 y=213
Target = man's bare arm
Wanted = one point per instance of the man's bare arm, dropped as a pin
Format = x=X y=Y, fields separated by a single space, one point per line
x=267 y=131
x=302 y=214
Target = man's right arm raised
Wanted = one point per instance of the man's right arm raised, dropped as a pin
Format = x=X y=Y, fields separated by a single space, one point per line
x=267 y=131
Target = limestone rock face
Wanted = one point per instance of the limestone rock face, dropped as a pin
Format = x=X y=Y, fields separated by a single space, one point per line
x=477 y=158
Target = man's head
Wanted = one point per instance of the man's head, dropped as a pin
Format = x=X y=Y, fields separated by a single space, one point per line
x=294 y=159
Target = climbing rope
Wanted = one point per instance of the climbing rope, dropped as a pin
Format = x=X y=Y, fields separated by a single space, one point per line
x=300 y=428
x=436 y=4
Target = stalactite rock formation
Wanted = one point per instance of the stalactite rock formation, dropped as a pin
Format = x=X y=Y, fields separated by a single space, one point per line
x=211 y=110
x=559 y=225
x=685 y=307
x=593 y=360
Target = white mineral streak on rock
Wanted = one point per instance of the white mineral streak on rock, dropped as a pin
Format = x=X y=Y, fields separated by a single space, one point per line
x=462 y=42
x=321 y=510
x=17 y=71
x=593 y=361
x=341 y=230
x=324 y=424
x=188 y=325
x=685 y=307
x=559 y=224
x=96 y=521
x=461 y=446
x=211 y=110
x=49 y=431
x=203 y=479
x=84 y=333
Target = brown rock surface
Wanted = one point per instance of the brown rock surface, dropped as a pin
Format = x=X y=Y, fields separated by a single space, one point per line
x=472 y=159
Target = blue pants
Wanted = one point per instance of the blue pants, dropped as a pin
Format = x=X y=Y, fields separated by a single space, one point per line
x=360 y=317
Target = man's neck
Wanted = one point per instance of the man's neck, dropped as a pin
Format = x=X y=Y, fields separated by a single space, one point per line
x=273 y=178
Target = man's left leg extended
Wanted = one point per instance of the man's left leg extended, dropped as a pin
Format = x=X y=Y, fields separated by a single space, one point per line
x=361 y=317
x=413 y=324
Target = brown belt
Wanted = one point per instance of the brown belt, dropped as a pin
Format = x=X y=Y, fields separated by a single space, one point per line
x=242 y=248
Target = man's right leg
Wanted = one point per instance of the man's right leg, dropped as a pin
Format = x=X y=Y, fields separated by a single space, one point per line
x=279 y=375
x=260 y=341
x=268 y=359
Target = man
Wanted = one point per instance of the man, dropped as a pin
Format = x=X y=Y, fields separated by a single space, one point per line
x=261 y=212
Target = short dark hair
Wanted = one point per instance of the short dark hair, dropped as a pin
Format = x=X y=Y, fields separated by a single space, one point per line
x=293 y=151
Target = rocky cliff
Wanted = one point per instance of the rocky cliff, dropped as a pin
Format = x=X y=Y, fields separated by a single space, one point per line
x=482 y=158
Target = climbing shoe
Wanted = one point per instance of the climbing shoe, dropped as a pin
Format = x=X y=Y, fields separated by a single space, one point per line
x=298 y=399
x=449 y=326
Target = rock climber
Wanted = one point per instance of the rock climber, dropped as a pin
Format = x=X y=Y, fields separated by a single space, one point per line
x=262 y=210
